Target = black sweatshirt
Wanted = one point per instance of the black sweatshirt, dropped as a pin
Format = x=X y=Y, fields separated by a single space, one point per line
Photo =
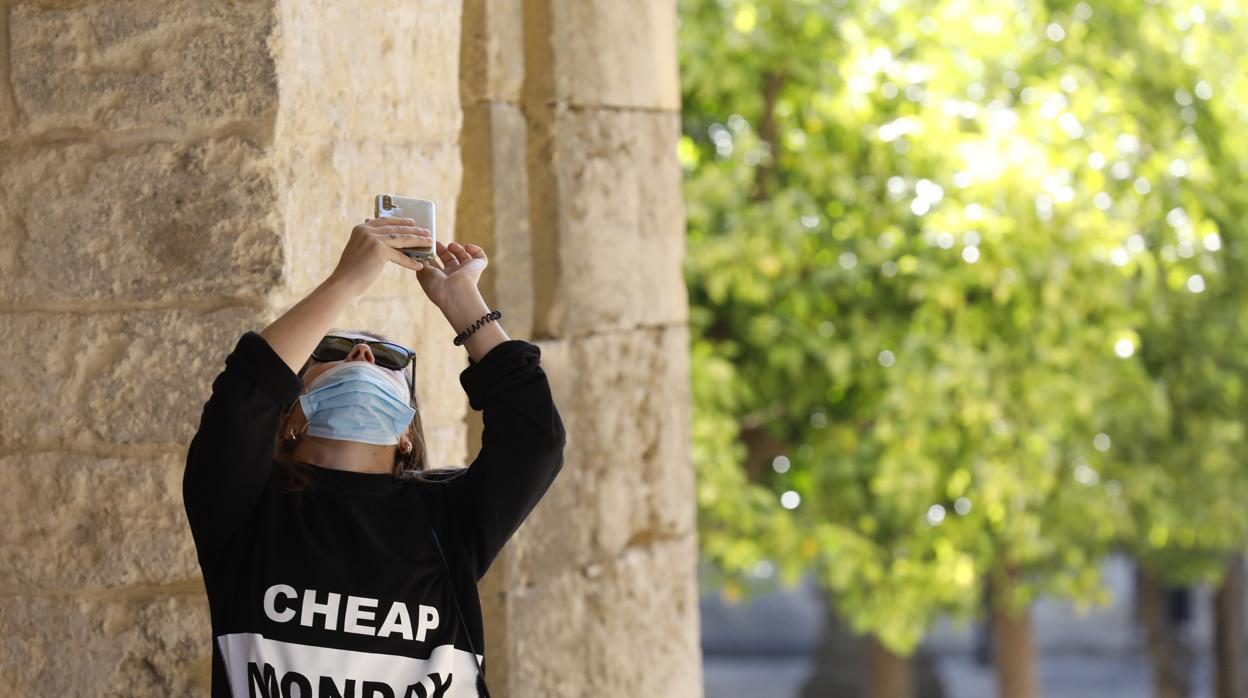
x=338 y=590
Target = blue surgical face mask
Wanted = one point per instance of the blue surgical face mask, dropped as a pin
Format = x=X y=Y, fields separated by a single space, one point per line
x=354 y=401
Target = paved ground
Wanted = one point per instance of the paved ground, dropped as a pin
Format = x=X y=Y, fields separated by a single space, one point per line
x=754 y=677
x=1072 y=676
x=1069 y=676
x=763 y=649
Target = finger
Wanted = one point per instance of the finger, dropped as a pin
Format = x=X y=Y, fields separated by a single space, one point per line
x=445 y=255
x=461 y=255
x=433 y=262
x=383 y=230
x=475 y=250
x=403 y=260
x=380 y=222
x=404 y=239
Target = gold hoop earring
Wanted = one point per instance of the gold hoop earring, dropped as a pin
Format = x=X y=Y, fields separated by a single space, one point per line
x=292 y=436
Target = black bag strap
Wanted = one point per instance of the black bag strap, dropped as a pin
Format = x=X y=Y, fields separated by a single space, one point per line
x=482 y=690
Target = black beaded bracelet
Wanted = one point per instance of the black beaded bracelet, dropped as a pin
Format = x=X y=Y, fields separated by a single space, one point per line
x=463 y=336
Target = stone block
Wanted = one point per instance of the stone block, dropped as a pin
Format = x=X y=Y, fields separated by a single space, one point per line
x=607 y=53
x=622 y=628
x=494 y=208
x=76 y=521
x=105 y=645
x=9 y=116
x=136 y=65
x=128 y=378
x=328 y=187
x=494 y=593
x=611 y=255
x=152 y=222
x=628 y=479
x=370 y=70
x=492 y=51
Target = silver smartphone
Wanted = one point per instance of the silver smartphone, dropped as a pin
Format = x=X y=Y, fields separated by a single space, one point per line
x=420 y=210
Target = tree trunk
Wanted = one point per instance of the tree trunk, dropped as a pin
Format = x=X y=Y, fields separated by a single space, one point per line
x=1167 y=653
x=1015 y=653
x=769 y=132
x=847 y=665
x=1230 y=641
x=888 y=675
x=760 y=449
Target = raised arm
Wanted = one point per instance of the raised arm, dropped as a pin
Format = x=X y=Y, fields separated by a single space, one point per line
x=521 y=450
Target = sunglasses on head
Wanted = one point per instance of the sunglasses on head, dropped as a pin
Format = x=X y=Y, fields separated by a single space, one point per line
x=387 y=354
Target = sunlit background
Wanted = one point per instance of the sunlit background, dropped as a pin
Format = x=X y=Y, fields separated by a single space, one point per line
x=967 y=285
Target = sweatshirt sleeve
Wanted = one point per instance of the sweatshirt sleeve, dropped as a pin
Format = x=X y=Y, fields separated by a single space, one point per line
x=521 y=449
x=231 y=455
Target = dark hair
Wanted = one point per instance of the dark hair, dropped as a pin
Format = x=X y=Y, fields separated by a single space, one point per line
x=407 y=466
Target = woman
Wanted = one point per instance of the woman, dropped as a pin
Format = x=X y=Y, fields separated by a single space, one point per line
x=317 y=523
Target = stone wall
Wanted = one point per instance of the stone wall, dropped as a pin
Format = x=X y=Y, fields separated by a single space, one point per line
x=175 y=173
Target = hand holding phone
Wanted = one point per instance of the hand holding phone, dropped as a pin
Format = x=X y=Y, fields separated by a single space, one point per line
x=420 y=210
x=375 y=243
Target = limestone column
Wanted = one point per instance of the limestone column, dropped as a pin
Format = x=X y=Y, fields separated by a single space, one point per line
x=171 y=175
x=596 y=594
x=494 y=213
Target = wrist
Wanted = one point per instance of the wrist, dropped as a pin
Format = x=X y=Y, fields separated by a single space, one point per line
x=337 y=286
x=463 y=306
x=466 y=308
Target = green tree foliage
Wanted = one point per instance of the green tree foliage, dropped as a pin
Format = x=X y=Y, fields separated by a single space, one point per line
x=966 y=284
